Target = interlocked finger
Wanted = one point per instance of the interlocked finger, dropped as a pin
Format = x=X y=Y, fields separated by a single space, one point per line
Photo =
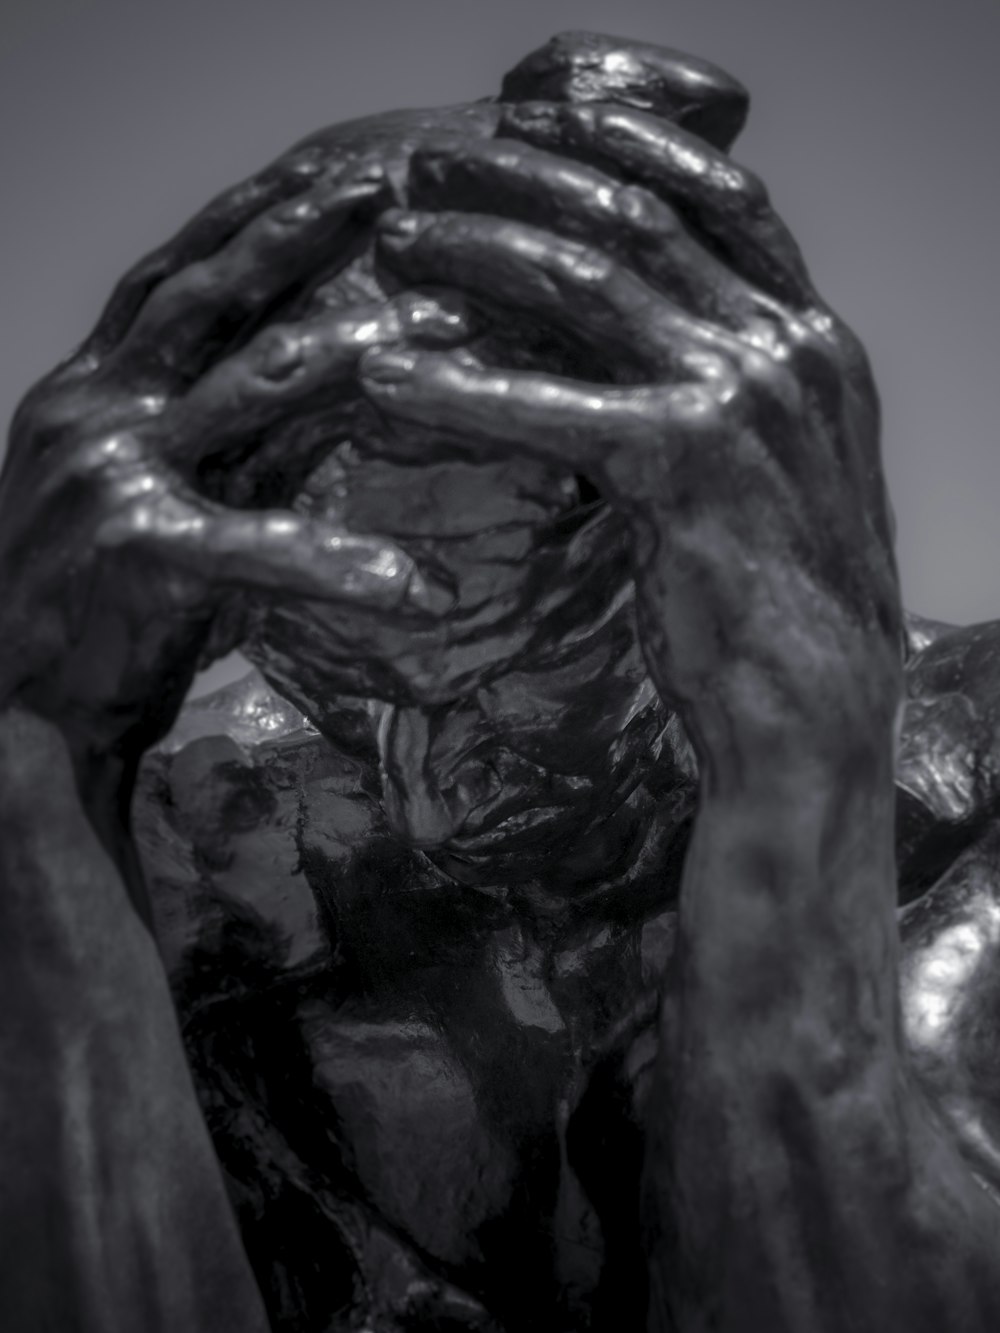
x=199 y=238
x=296 y=368
x=584 y=293
x=272 y=552
x=592 y=429
x=202 y=309
x=589 y=67
x=724 y=201
x=515 y=180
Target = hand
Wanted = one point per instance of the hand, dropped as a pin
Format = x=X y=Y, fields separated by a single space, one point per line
x=114 y=558
x=738 y=434
x=115 y=547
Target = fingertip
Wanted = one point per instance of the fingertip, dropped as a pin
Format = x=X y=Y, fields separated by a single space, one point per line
x=528 y=118
x=399 y=226
x=431 y=595
x=430 y=164
x=437 y=319
x=384 y=368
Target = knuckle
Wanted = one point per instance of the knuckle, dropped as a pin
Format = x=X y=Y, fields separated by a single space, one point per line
x=605 y=124
x=716 y=373
x=645 y=214
x=743 y=378
x=135 y=518
x=100 y=462
x=508 y=158
x=764 y=376
x=386 y=565
x=818 y=355
x=293 y=213
x=589 y=269
x=278 y=354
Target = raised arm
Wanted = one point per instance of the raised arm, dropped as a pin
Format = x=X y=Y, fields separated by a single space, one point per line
x=795 y=1178
x=115 y=562
x=137 y=508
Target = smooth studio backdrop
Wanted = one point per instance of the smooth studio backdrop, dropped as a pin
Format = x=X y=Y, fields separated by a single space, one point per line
x=873 y=122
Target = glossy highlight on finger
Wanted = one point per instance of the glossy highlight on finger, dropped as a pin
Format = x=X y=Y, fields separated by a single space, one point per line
x=385 y=369
x=495 y=412
x=436 y=318
x=295 y=368
x=581 y=293
x=212 y=301
x=207 y=231
x=523 y=183
x=593 y=67
x=725 y=205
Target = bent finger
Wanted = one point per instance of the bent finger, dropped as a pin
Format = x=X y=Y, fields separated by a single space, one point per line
x=215 y=224
x=196 y=313
x=275 y=551
x=293 y=368
x=593 y=67
x=724 y=201
x=603 y=432
x=514 y=180
x=590 y=297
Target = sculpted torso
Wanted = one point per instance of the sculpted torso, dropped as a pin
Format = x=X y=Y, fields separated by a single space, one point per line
x=588 y=919
x=475 y=1058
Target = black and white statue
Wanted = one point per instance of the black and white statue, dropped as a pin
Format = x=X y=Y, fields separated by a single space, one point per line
x=586 y=919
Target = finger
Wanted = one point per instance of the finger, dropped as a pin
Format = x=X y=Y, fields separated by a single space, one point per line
x=515 y=180
x=294 y=368
x=275 y=551
x=724 y=201
x=205 y=233
x=588 y=428
x=591 y=67
x=207 y=305
x=588 y=296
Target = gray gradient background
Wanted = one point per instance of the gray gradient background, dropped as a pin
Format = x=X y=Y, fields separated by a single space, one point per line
x=874 y=123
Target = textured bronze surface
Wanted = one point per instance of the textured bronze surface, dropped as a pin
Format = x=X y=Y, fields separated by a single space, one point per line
x=585 y=918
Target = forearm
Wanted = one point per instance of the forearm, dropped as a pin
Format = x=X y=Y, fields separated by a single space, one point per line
x=787 y=918
x=795 y=1180
x=113 y=1215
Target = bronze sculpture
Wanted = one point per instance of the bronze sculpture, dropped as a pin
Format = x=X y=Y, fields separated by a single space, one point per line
x=537 y=961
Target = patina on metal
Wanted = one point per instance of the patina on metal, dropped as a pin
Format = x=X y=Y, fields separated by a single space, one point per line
x=586 y=917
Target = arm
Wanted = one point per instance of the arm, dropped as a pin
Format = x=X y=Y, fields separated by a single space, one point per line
x=114 y=1215
x=795 y=1178
x=117 y=556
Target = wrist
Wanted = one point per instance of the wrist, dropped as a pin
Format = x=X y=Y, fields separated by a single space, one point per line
x=755 y=755
x=59 y=767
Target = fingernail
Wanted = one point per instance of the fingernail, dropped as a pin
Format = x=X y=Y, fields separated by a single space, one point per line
x=431 y=596
x=431 y=163
x=386 y=367
x=396 y=224
x=368 y=173
x=527 y=117
x=443 y=317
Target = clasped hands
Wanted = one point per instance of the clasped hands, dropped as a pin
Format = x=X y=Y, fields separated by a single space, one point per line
x=736 y=428
x=738 y=434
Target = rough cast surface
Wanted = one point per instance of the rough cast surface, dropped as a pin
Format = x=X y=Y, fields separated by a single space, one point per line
x=588 y=918
x=271 y=870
